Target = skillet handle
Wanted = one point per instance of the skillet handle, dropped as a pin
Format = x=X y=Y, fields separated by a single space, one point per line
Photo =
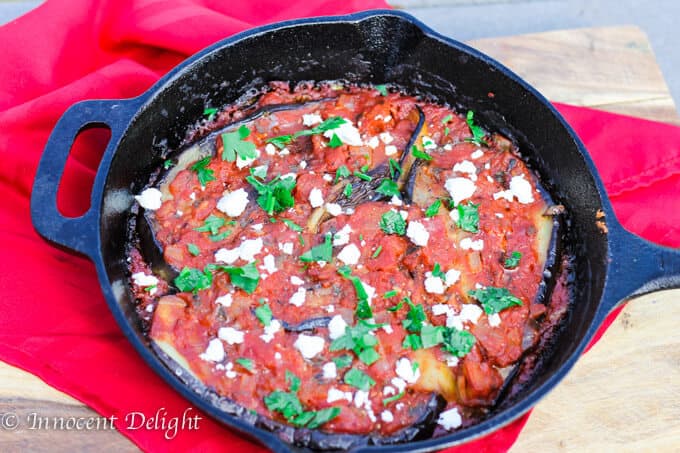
x=638 y=267
x=76 y=233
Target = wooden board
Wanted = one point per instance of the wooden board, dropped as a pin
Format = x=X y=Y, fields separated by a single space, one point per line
x=624 y=395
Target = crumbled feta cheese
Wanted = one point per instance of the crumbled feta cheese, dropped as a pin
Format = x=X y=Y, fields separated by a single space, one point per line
x=347 y=133
x=370 y=291
x=330 y=308
x=451 y=360
x=448 y=147
x=269 y=331
x=499 y=215
x=277 y=355
x=399 y=383
x=310 y=119
x=327 y=177
x=179 y=213
x=233 y=203
x=360 y=398
x=316 y=197
x=334 y=209
x=284 y=152
x=338 y=395
x=477 y=154
x=269 y=264
x=225 y=300
x=330 y=371
x=441 y=309
x=246 y=251
x=417 y=233
x=230 y=373
x=404 y=370
x=389 y=390
x=256 y=227
x=386 y=137
x=450 y=419
x=521 y=188
x=469 y=244
x=270 y=149
x=297 y=281
x=388 y=328
x=428 y=143
x=403 y=214
x=489 y=178
x=433 y=285
x=141 y=279
x=386 y=416
x=149 y=308
x=350 y=254
x=228 y=256
x=303 y=164
x=470 y=312
x=214 y=352
x=466 y=167
x=387 y=119
x=230 y=335
x=391 y=150
x=298 y=297
x=150 y=199
x=396 y=201
x=243 y=163
x=459 y=189
x=374 y=142
x=507 y=194
x=336 y=327
x=455 y=215
x=192 y=196
x=454 y=321
x=342 y=236
x=309 y=345
x=451 y=277
x=494 y=320
x=286 y=247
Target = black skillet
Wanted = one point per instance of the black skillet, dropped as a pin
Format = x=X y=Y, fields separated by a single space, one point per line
x=370 y=47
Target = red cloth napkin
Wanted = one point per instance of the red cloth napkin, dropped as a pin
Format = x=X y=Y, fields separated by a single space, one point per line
x=54 y=320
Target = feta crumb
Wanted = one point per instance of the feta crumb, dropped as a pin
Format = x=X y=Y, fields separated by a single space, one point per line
x=391 y=150
x=396 y=201
x=327 y=177
x=386 y=137
x=350 y=254
x=499 y=215
x=451 y=277
x=441 y=309
x=370 y=291
x=417 y=233
x=284 y=152
x=336 y=327
x=309 y=345
x=489 y=178
x=477 y=154
x=330 y=308
x=428 y=143
x=388 y=328
x=225 y=300
x=507 y=194
x=448 y=147
x=316 y=197
x=330 y=371
x=249 y=248
x=298 y=298
x=303 y=164
x=360 y=398
x=386 y=416
x=450 y=419
x=334 y=209
x=141 y=279
x=214 y=352
x=399 y=383
x=338 y=395
x=433 y=285
x=277 y=355
x=192 y=196
x=150 y=199
x=286 y=247
x=387 y=119
x=269 y=331
x=243 y=163
x=494 y=320
x=342 y=236
x=451 y=360
x=230 y=335
x=404 y=370
x=347 y=133
x=487 y=166
x=270 y=149
x=454 y=215
x=256 y=227
x=233 y=203
x=469 y=244
x=310 y=119
x=230 y=373
x=521 y=188
x=470 y=312
x=179 y=213
x=403 y=214
x=269 y=264
x=228 y=256
x=459 y=189
x=389 y=390
x=297 y=281
x=466 y=167
x=374 y=142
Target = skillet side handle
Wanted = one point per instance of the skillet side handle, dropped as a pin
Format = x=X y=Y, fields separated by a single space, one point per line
x=76 y=233
x=638 y=267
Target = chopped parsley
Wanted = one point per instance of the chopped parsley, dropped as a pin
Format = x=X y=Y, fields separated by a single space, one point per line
x=395 y=168
x=358 y=339
x=391 y=293
x=168 y=163
x=259 y=171
x=369 y=356
x=458 y=342
x=393 y=398
x=347 y=191
x=494 y=300
x=342 y=361
x=377 y=252
x=418 y=154
x=512 y=261
x=292 y=225
x=335 y=141
x=412 y=341
x=432 y=335
x=329 y=124
x=433 y=209
x=245 y=363
x=193 y=249
x=275 y=195
x=447 y=118
x=382 y=89
x=293 y=381
x=363 y=176
x=150 y=288
x=478 y=132
x=363 y=310
x=341 y=172
x=264 y=314
x=321 y=252
x=210 y=112
x=415 y=317
x=468 y=217
x=234 y=144
x=219 y=237
x=358 y=379
x=388 y=187
x=287 y=404
x=204 y=174
x=245 y=277
x=398 y=306
x=211 y=224
x=392 y=222
x=194 y=280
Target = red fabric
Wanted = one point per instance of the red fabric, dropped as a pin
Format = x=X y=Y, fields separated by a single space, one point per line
x=54 y=320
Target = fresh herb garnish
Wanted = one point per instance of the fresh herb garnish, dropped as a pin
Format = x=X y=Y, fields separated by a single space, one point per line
x=259 y=171
x=391 y=293
x=418 y=154
x=363 y=176
x=329 y=124
x=433 y=209
x=293 y=381
x=341 y=172
x=377 y=252
x=358 y=339
x=432 y=335
x=264 y=314
x=395 y=168
x=382 y=89
x=287 y=404
x=393 y=398
x=458 y=342
x=150 y=288
x=369 y=356
x=335 y=141
x=234 y=144
x=478 y=132
x=392 y=222
x=275 y=195
x=358 y=379
x=318 y=417
x=219 y=237
x=204 y=174
x=321 y=252
x=447 y=118
x=494 y=300
x=512 y=261
x=396 y=307
x=468 y=217
x=347 y=191
x=412 y=341
x=245 y=363
x=292 y=225
x=211 y=224
x=342 y=361
x=388 y=187
x=363 y=310
x=414 y=318
x=194 y=280
x=245 y=277
x=210 y=112
x=193 y=249
x=437 y=272
x=168 y=163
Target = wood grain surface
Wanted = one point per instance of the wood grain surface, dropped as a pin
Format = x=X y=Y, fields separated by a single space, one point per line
x=624 y=395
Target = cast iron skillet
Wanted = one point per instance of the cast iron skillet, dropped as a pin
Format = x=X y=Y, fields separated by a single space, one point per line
x=370 y=47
